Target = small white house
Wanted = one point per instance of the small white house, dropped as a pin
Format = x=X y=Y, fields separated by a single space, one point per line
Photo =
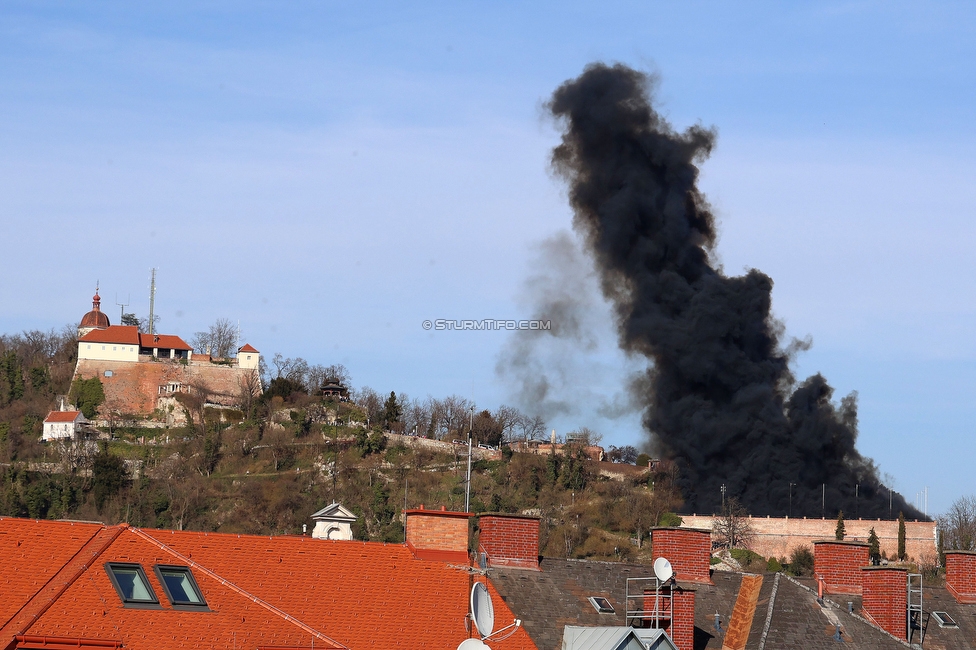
x=63 y=424
x=333 y=522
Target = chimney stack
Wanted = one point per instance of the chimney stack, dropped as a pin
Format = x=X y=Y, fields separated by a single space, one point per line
x=960 y=568
x=838 y=564
x=438 y=534
x=689 y=550
x=885 y=598
x=510 y=540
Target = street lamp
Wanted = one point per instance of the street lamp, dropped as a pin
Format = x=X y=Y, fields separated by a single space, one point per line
x=723 y=497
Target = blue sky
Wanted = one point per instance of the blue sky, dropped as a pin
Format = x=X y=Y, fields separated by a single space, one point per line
x=332 y=174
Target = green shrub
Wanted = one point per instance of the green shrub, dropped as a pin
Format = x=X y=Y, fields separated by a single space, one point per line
x=715 y=560
x=744 y=556
x=774 y=566
x=801 y=562
x=670 y=520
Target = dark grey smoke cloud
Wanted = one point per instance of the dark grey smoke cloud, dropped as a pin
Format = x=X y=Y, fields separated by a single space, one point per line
x=720 y=396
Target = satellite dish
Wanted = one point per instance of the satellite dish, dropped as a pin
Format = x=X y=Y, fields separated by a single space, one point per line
x=663 y=570
x=482 y=611
x=473 y=644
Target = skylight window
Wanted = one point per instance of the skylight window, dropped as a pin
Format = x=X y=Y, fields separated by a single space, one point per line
x=180 y=587
x=944 y=619
x=131 y=584
x=601 y=604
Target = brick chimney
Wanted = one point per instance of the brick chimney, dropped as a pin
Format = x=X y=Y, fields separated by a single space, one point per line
x=682 y=628
x=438 y=534
x=885 y=598
x=510 y=540
x=838 y=564
x=689 y=551
x=675 y=615
x=960 y=569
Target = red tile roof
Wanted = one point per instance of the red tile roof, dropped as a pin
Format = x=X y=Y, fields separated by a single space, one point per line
x=167 y=341
x=124 y=334
x=62 y=416
x=43 y=547
x=262 y=591
x=247 y=348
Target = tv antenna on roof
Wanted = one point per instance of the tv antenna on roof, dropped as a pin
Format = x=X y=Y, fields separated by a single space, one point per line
x=483 y=615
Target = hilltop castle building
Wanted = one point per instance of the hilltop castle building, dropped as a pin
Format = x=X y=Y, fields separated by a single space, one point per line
x=141 y=372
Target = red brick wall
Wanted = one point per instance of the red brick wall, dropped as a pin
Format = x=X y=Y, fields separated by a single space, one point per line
x=778 y=536
x=960 y=569
x=839 y=564
x=682 y=628
x=885 y=598
x=510 y=541
x=439 y=531
x=688 y=549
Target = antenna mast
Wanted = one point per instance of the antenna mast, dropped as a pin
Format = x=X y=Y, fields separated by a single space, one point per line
x=121 y=307
x=152 y=298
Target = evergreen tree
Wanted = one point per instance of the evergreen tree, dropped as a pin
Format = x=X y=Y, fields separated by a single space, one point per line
x=552 y=467
x=11 y=378
x=875 y=547
x=839 y=532
x=901 y=536
x=392 y=411
x=108 y=475
x=87 y=395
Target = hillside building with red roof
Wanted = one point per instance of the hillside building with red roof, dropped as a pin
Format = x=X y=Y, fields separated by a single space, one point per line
x=63 y=424
x=140 y=372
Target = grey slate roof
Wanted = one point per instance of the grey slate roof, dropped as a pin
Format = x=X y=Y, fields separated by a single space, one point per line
x=550 y=599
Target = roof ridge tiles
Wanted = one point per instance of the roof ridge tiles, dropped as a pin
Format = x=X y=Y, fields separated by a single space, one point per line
x=233 y=587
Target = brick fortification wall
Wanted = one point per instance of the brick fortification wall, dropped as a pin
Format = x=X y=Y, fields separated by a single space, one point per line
x=778 y=536
x=839 y=563
x=134 y=386
x=886 y=598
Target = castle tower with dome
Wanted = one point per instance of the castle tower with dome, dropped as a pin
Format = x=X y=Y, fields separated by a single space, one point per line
x=96 y=319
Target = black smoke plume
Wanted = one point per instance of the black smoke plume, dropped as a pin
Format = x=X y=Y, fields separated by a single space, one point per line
x=722 y=400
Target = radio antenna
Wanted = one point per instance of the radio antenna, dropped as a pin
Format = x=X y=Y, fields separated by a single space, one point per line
x=121 y=307
x=152 y=299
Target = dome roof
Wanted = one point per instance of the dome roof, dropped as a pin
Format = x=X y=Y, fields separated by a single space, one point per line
x=96 y=317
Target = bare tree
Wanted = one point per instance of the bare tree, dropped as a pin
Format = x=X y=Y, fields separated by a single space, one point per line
x=957 y=527
x=249 y=384
x=733 y=528
x=338 y=373
x=416 y=416
x=531 y=427
x=220 y=340
x=455 y=415
x=370 y=401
